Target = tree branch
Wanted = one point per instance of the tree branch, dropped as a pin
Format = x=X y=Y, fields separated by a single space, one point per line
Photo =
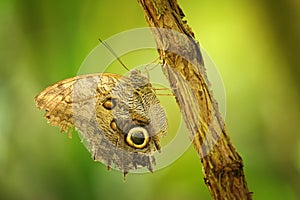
x=184 y=67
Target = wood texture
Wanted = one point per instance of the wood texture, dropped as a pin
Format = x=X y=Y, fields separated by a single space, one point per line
x=222 y=165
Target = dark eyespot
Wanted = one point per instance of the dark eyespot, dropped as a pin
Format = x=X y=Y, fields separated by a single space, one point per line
x=109 y=103
x=138 y=137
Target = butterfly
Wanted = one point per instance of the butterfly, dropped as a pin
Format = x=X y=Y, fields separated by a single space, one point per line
x=119 y=117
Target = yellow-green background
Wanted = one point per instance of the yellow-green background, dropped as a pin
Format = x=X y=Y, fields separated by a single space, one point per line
x=254 y=43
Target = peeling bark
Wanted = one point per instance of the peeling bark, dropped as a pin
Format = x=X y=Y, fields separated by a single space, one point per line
x=222 y=165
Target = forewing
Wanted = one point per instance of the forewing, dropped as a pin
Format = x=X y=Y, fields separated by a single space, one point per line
x=58 y=100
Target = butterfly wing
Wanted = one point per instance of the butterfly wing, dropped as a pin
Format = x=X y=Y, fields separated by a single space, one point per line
x=58 y=99
x=79 y=102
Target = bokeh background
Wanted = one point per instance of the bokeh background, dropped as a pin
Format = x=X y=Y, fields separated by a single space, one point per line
x=254 y=43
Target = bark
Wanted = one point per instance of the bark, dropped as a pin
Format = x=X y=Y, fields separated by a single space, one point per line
x=222 y=165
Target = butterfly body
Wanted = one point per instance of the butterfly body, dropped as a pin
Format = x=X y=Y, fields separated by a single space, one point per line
x=119 y=117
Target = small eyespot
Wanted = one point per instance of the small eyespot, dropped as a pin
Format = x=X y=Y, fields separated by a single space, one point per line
x=113 y=125
x=137 y=137
x=109 y=103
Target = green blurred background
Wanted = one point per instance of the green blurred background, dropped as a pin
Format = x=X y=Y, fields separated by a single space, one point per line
x=254 y=43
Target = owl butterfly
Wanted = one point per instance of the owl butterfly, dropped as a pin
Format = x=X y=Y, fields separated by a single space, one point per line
x=120 y=117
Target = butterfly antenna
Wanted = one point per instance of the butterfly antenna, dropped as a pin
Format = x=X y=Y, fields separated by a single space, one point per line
x=114 y=54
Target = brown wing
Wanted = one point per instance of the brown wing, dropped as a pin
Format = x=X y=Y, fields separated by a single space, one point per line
x=78 y=102
x=57 y=99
